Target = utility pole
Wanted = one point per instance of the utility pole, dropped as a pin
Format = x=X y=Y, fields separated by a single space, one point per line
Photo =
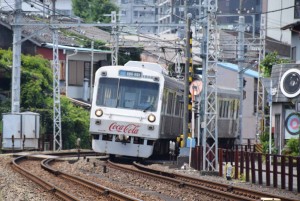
x=186 y=80
x=115 y=46
x=16 y=68
x=241 y=61
x=92 y=71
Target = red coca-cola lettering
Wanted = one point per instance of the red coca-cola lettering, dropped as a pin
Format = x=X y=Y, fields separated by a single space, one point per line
x=129 y=128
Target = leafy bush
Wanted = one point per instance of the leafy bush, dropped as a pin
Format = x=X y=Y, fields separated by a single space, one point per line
x=264 y=139
x=292 y=147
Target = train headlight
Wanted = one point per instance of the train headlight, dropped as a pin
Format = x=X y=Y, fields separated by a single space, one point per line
x=151 y=118
x=98 y=112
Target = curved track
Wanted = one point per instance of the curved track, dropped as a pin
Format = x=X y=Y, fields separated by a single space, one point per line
x=63 y=185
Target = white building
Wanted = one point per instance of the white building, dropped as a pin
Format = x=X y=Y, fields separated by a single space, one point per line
x=42 y=7
x=285 y=12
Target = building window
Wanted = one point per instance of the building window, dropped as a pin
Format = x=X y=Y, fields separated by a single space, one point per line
x=293 y=54
x=62 y=70
x=76 y=73
x=297 y=9
x=123 y=12
x=87 y=70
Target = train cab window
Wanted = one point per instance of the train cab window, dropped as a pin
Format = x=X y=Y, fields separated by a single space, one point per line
x=126 y=93
x=138 y=95
x=107 y=92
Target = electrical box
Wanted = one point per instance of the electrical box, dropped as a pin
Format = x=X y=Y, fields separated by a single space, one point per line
x=21 y=130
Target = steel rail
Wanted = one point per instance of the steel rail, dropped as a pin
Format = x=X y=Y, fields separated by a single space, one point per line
x=49 y=187
x=102 y=190
x=211 y=184
x=182 y=184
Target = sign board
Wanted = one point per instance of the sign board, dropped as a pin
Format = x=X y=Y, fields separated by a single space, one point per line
x=196 y=87
x=292 y=124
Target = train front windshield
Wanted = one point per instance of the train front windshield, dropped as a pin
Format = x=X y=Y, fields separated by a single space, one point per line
x=125 y=93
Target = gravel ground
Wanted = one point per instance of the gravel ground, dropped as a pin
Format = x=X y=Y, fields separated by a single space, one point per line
x=233 y=182
x=15 y=187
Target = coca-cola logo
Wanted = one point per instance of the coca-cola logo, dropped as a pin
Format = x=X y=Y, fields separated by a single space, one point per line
x=129 y=128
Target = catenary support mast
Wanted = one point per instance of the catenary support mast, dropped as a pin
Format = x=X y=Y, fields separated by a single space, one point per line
x=57 y=138
x=210 y=131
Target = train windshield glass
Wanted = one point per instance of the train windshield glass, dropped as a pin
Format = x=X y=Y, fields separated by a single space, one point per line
x=125 y=93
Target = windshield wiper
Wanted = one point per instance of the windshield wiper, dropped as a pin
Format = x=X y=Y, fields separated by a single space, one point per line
x=147 y=108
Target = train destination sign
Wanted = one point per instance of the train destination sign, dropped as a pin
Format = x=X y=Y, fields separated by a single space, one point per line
x=130 y=73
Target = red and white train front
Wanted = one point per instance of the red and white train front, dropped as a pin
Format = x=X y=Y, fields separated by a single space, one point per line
x=125 y=111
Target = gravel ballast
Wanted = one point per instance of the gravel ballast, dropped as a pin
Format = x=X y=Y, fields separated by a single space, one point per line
x=16 y=187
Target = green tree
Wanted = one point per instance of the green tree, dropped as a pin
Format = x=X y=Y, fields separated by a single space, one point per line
x=93 y=10
x=127 y=54
x=270 y=60
x=36 y=96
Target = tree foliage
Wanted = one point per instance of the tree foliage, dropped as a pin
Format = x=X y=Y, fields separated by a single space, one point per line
x=93 y=10
x=37 y=78
x=270 y=60
x=127 y=54
x=37 y=96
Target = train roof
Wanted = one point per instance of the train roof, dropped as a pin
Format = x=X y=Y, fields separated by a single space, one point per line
x=148 y=65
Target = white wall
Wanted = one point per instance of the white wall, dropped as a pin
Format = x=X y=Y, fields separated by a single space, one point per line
x=60 y=4
x=276 y=20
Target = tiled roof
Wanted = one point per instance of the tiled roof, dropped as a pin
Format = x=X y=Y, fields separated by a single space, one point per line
x=43 y=34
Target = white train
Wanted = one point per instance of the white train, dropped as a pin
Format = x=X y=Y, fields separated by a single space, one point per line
x=136 y=110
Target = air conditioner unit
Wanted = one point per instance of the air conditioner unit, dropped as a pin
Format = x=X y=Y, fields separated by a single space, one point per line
x=286 y=81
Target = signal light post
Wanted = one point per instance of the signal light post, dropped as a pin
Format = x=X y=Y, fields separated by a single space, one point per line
x=195 y=89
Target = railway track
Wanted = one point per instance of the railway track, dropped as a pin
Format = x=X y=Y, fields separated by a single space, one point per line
x=191 y=181
x=204 y=190
x=63 y=185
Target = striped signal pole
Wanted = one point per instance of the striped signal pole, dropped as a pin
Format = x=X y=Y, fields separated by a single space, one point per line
x=191 y=74
x=187 y=81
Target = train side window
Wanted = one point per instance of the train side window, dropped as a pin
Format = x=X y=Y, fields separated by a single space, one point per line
x=177 y=105
x=232 y=108
x=237 y=109
x=170 y=103
x=164 y=101
x=224 y=108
